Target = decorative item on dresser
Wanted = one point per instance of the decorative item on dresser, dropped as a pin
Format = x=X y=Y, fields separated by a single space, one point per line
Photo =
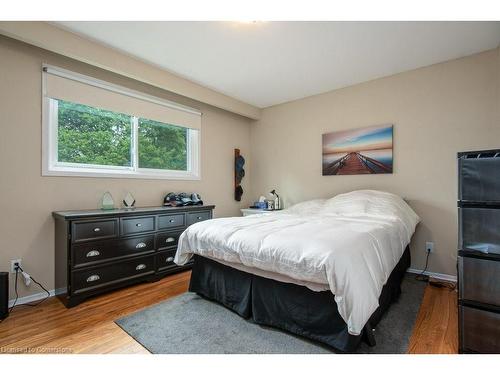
x=129 y=201
x=107 y=202
x=479 y=251
x=97 y=251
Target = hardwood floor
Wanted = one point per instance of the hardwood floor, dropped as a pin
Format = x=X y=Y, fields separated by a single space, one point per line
x=90 y=327
x=436 y=328
x=86 y=328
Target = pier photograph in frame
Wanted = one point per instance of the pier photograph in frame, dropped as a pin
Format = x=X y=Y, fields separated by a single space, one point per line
x=358 y=151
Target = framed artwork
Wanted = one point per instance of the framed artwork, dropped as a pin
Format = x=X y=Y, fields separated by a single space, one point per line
x=358 y=151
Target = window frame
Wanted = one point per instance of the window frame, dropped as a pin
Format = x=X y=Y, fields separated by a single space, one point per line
x=52 y=167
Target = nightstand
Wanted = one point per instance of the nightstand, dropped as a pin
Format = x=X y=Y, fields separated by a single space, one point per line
x=252 y=211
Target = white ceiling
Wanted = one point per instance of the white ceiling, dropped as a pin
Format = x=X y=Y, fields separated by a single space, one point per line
x=267 y=63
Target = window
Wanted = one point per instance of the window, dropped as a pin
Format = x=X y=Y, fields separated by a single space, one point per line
x=162 y=146
x=121 y=138
x=91 y=136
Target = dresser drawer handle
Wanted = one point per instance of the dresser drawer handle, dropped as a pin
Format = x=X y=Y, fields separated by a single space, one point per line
x=140 y=245
x=138 y=225
x=97 y=229
x=93 y=278
x=170 y=239
x=171 y=220
x=199 y=218
x=169 y=259
x=140 y=267
x=93 y=253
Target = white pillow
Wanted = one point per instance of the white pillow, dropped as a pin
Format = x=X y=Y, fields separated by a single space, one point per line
x=372 y=203
x=308 y=207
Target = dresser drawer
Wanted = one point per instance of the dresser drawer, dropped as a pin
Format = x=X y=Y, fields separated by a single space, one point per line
x=479 y=229
x=194 y=217
x=89 y=253
x=171 y=221
x=478 y=280
x=165 y=240
x=98 y=277
x=94 y=229
x=132 y=225
x=165 y=260
x=479 y=330
x=479 y=179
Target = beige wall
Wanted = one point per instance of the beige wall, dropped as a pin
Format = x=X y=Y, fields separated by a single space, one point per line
x=436 y=111
x=66 y=43
x=27 y=199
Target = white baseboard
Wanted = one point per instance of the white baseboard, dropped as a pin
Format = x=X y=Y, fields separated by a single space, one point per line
x=441 y=276
x=36 y=297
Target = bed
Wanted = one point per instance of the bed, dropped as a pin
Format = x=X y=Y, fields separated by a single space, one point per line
x=323 y=269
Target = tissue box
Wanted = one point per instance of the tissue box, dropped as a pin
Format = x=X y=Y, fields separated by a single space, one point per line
x=262 y=205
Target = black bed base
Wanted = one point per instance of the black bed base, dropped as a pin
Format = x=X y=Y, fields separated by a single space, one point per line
x=287 y=306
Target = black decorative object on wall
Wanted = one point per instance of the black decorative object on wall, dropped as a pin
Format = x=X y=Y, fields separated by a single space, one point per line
x=239 y=173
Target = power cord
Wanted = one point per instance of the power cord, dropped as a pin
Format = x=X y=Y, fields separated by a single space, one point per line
x=432 y=281
x=18 y=268
x=421 y=276
x=443 y=284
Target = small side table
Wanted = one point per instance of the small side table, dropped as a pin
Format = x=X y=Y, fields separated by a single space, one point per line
x=252 y=211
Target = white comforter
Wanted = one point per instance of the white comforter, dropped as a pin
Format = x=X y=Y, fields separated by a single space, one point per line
x=351 y=242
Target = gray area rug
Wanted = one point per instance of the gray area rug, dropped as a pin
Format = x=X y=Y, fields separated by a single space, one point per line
x=190 y=324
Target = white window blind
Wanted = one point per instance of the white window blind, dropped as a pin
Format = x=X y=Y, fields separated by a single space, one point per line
x=72 y=87
x=92 y=128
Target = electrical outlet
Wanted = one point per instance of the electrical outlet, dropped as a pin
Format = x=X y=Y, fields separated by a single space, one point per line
x=429 y=247
x=13 y=264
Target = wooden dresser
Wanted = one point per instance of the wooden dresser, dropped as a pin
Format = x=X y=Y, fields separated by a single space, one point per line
x=97 y=251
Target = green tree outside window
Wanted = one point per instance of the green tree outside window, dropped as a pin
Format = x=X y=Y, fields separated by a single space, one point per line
x=88 y=135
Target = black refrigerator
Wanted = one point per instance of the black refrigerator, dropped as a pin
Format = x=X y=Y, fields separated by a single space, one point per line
x=479 y=251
